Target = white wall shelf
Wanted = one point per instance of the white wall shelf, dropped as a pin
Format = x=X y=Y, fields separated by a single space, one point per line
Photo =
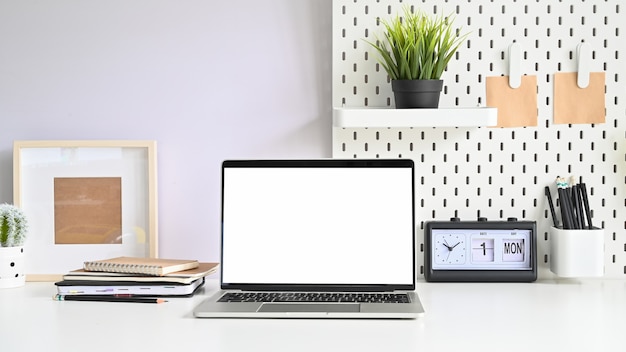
x=389 y=117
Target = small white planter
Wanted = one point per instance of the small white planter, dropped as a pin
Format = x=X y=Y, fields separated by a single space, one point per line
x=12 y=267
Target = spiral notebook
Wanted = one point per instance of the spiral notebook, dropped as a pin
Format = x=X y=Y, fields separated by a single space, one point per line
x=138 y=265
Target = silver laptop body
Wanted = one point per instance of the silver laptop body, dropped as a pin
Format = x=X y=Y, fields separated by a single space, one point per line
x=340 y=231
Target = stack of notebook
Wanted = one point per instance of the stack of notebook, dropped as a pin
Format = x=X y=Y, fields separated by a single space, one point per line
x=135 y=277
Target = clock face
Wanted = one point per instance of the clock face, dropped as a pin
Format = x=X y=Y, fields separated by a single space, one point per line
x=450 y=249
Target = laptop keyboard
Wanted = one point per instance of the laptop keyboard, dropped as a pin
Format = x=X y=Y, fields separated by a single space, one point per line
x=315 y=297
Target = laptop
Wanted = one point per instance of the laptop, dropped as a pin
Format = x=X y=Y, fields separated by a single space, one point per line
x=322 y=238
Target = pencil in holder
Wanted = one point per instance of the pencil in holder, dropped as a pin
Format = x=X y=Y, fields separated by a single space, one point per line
x=577 y=253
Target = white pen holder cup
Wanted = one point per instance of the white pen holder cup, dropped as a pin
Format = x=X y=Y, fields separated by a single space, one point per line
x=577 y=253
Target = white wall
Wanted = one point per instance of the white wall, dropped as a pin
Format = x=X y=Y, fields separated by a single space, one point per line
x=206 y=79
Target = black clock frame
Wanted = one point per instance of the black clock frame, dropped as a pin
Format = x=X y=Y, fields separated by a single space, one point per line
x=483 y=275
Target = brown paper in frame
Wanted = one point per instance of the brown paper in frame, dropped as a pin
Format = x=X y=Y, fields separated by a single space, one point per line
x=517 y=107
x=87 y=210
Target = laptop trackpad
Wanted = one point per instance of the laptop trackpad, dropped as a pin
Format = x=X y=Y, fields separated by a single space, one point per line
x=296 y=307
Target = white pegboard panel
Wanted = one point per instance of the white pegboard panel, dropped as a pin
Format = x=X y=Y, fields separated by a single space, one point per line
x=497 y=172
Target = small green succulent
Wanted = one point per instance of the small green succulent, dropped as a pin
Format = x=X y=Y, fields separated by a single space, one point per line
x=13 y=226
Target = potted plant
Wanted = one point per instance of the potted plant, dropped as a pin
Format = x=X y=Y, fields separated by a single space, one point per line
x=415 y=52
x=13 y=229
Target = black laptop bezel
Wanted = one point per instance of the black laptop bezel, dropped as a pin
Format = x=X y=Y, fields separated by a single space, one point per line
x=320 y=163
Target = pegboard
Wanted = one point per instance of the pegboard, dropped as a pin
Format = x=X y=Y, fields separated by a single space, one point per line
x=497 y=172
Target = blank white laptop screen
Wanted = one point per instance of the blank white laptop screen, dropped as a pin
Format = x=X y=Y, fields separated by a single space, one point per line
x=318 y=225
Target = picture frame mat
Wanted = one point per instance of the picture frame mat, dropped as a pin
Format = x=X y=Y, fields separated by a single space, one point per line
x=37 y=163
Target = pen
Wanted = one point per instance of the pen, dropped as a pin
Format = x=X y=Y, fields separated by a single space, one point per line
x=107 y=298
x=551 y=204
x=566 y=211
x=580 y=204
x=573 y=198
x=583 y=191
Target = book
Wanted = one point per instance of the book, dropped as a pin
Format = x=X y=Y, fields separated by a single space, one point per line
x=139 y=265
x=128 y=288
x=183 y=277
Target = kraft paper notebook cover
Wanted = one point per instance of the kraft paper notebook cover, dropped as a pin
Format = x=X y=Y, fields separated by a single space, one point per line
x=185 y=276
x=137 y=265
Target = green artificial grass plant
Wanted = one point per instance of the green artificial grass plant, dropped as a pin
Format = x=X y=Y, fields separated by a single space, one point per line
x=417 y=46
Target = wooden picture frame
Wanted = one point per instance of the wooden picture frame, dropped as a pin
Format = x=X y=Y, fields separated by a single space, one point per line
x=85 y=200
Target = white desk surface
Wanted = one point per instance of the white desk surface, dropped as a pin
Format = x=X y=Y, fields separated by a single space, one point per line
x=541 y=316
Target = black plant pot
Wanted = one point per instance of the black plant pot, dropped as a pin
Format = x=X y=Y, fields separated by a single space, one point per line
x=423 y=93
